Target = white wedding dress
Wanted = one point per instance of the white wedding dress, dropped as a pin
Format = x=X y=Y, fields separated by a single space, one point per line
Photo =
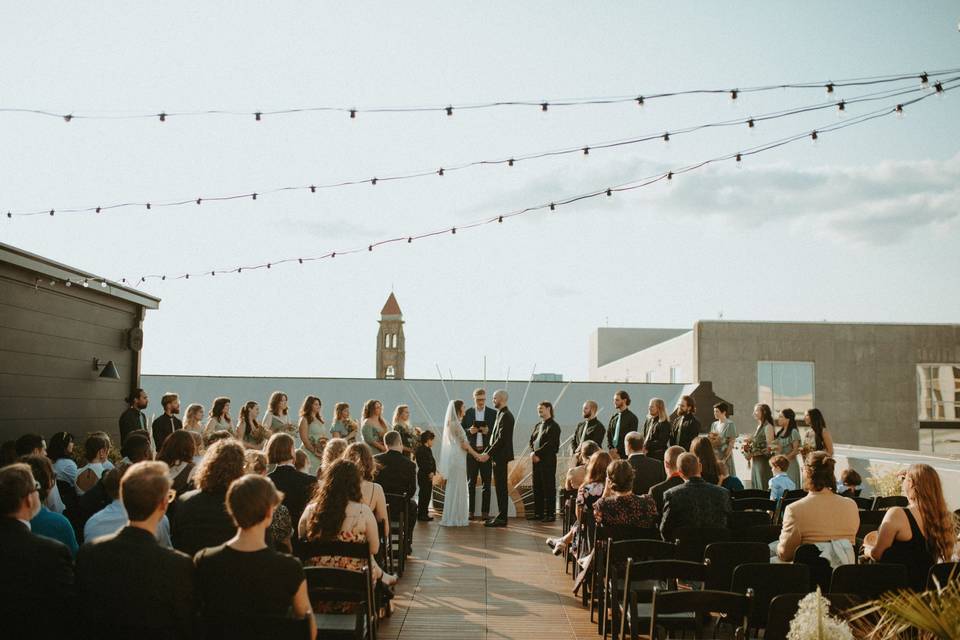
x=453 y=467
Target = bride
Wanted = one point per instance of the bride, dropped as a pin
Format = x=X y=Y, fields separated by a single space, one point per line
x=453 y=467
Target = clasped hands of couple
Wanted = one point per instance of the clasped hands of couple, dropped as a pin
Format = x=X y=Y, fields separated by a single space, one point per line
x=474 y=430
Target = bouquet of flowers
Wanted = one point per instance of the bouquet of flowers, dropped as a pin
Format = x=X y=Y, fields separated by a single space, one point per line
x=751 y=449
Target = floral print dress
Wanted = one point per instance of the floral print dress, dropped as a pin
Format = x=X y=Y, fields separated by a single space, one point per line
x=355 y=532
x=587 y=495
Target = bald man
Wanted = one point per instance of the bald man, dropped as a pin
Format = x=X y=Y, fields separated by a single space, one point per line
x=589 y=429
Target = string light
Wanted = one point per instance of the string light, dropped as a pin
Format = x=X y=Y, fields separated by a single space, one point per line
x=499 y=104
x=925 y=80
x=938 y=87
x=841 y=105
x=813 y=136
x=629 y=186
x=509 y=160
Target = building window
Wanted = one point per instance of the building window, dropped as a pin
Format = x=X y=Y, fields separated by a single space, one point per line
x=390 y=373
x=938 y=392
x=648 y=377
x=676 y=374
x=784 y=385
x=394 y=341
x=386 y=341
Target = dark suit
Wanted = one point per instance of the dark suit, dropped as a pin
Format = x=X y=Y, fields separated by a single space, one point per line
x=591 y=429
x=656 y=437
x=297 y=489
x=628 y=423
x=37 y=580
x=426 y=464
x=475 y=467
x=545 y=443
x=132 y=587
x=131 y=420
x=201 y=520
x=646 y=473
x=684 y=430
x=695 y=503
x=500 y=451
x=397 y=473
x=162 y=427
x=657 y=490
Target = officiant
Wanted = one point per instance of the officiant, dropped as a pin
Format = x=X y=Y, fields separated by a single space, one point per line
x=477 y=422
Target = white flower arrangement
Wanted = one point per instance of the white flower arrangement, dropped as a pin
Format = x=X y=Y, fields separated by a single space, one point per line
x=814 y=622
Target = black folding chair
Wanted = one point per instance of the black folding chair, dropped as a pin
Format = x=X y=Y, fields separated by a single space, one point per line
x=398 y=512
x=744 y=519
x=782 y=505
x=702 y=606
x=764 y=533
x=872 y=517
x=942 y=573
x=754 y=504
x=242 y=627
x=793 y=494
x=691 y=541
x=750 y=493
x=586 y=536
x=723 y=557
x=616 y=556
x=640 y=580
x=885 y=502
x=604 y=534
x=768 y=580
x=384 y=555
x=869 y=580
x=569 y=521
x=343 y=586
x=865 y=504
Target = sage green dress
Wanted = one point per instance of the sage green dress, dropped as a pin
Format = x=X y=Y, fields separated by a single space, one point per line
x=316 y=431
x=760 y=472
x=725 y=431
x=785 y=443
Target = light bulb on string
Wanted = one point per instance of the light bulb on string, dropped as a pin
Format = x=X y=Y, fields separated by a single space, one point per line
x=924 y=80
x=841 y=109
x=829 y=87
x=640 y=101
x=103 y=283
x=666 y=136
x=938 y=87
x=899 y=111
x=68 y=283
x=449 y=110
x=739 y=159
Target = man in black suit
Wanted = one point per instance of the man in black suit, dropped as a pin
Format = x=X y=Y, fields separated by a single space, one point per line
x=127 y=578
x=589 y=429
x=500 y=450
x=656 y=429
x=623 y=422
x=695 y=503
x=397 y=474
x=544 y=445
x=133 y=418
x=167 y=422
x=670 y=459
x=477 y=422
x=685 y=427
x=297 y=487
x=646 y=471
x=37 y=585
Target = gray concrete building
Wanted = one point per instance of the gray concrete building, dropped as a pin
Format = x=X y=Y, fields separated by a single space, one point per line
x=882 y=385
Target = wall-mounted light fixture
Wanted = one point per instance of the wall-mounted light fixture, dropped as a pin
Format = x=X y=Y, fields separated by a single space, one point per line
x=109 y=369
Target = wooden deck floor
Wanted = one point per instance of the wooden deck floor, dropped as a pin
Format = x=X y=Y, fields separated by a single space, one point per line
x=474 y=583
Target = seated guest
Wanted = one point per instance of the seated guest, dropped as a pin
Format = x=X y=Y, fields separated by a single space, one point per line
x=244 y=574
x=129 y=585
x=426 y=468
x=397 y=474
x=849 y=485
x=577 y=474
x=300 y=461
x=710 y=469
x=113 y=517
x=822 y=516
x=31 y=444
x=95 y=451
x=280 y=531
x=177 y=452
x=201 y=519
x=296 y=487
x=37 y=583
x=60 y=452
x=732 y=484
x=46 y=522
x=620 y=504
x=136 y=448
x=919 y=535
x=780 y=483
x=589 y=492
x=332 y=452
x=647 y=471
x=336 y=513
x=670 y=460
x=695 y=503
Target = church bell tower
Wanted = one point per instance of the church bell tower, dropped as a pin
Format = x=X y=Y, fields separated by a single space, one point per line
x=391 y=350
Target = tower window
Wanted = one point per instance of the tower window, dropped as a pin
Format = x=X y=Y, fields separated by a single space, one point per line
x=390 y=373
x=386 y=341
x=394 y=341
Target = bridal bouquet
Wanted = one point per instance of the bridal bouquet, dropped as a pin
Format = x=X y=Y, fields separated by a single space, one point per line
x=752 y=449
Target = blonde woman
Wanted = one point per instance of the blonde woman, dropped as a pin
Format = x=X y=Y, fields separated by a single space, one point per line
x=373 y=426
x=314 y=434
x=192 y=418
x=401 y=424
x=276 y=419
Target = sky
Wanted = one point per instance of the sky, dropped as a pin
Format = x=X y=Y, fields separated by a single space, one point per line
x=861 y=226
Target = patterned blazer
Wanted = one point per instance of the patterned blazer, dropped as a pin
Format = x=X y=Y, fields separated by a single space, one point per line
x=695 y=503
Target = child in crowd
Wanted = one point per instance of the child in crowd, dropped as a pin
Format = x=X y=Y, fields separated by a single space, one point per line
x=426 y=467
x=849 y=484
x=780 y=483
x=301 y=462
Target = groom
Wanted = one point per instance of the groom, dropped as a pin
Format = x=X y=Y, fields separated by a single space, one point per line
x=500 y=450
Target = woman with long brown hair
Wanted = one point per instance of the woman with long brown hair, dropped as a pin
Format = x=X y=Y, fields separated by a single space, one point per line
x=919 y=535
x=220 y=419
x=178 y=451
x=371 y=493
x=759 y=460
x=343 y=425
x=276 y=419
x=589 y=492
x=710 y=469
x=373 y=426
x=314 y=434
x=337 y=513
x=249 y=430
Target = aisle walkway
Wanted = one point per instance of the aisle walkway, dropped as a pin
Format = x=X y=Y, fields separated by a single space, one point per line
x=477 y=583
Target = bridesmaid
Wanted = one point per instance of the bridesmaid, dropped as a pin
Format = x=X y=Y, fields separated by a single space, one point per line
x=401 y=424
x=818 y=438
x=219 y=418
x=787 y=442
x=314 y=434
x=192 y=418
x=762 y=439
x=343 y=426
x=276 y=419
x=249 y=430
x=373 y=426
x=726 y=436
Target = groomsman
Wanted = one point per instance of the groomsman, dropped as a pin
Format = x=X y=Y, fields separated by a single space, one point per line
x=477 y=422
x=589 y=429
x=623 y=422
x=686 y=427
x=544 y=445
x=167 y=422
x=656 y=429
